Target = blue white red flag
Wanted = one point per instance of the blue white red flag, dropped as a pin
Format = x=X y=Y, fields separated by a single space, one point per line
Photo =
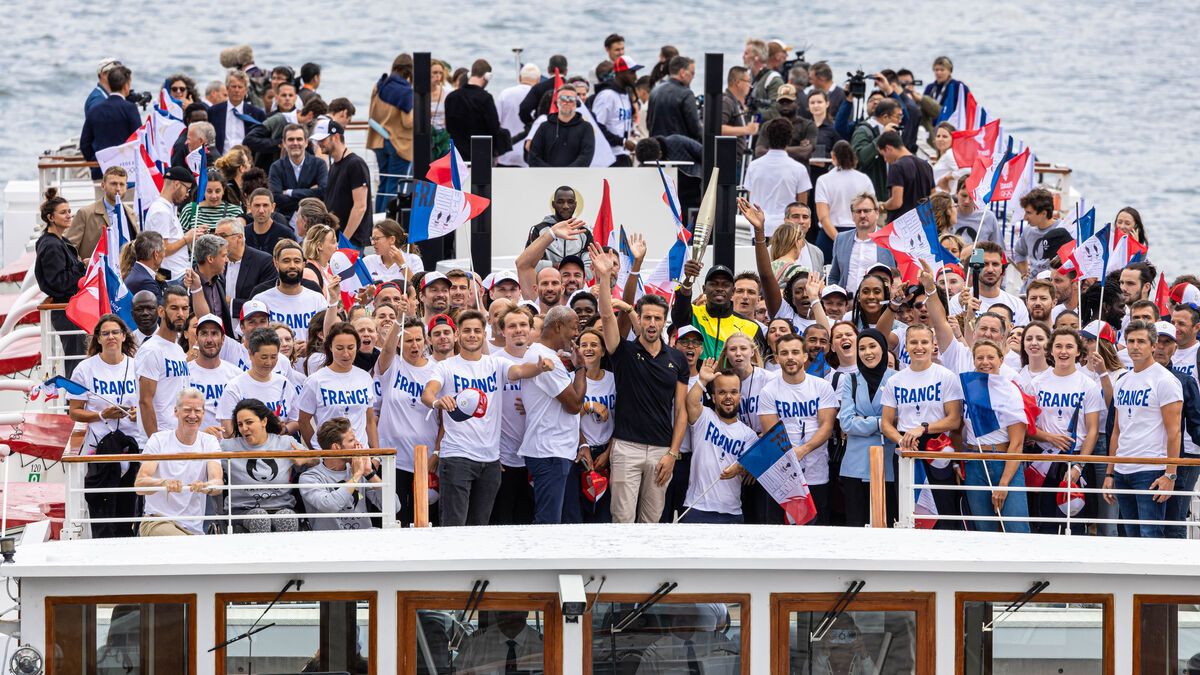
x=167 y=103
x=347 y=264
x=960 y=109
x=602 y=231
x=1010 y=172
x=101 y=292
x=438 y=210
x=449 y=170
x=774 y=465
x=1125 y=250
x=49 y=388
x=911 y=238
x=992 y=402
x=669 y=270
x=197 y=162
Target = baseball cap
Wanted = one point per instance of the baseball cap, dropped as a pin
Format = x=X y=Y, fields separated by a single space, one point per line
x=1165 y=329
x=253 y=307
x=106 y=64
x=786 y=92
x=833 y=289
x=493 y=279
x=210 y=318
x=325 y=128
x=955 y=268
x=879 y=267
x=470 y=403
x=572 y=260
x=440 y=320
x=1185 y=294
x=626 y=63
x=181 y=174
x=685 y=331
x=432 y=277
x=718 y=269
x=1099 y=330
x=1070 y=501
x=1045 y=274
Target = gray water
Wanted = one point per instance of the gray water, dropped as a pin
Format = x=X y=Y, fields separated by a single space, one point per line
x=1100 y=86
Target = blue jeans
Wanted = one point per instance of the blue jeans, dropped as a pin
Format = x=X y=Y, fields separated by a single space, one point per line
x=1016 y=505
x=1139 y=507
x=392 y=163
x=549 y=485
x=711 y=517
x=1177 y=506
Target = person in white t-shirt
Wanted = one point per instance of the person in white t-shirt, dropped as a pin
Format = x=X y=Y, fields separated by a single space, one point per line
x=834 y=191
x=1148 y=403
x=808 y=408
x=953 y=353
x=991 y=287
x=552 y=401
x=176 y=489
x=1187 y=323
x=596 y=426
x=162 y=217
x=161 y=366
x=290 y=303
x=468 y=461
x=514 y=500
x=1070 y=404
x=775 y=180
x=208 y=372
x=389 y=262
x=262 y=382
x=720 y=438
x=339 y=389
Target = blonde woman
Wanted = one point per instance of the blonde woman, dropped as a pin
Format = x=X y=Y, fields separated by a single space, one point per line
x=320 y=243
x=438 y=89
x=233 y=165
x=945 y=213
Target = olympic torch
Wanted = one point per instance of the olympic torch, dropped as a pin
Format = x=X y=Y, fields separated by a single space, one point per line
x=704 y=223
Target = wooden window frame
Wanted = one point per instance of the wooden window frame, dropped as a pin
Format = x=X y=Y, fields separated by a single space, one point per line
x=186 y=599
x=924 y=605
x=742 y=599
x=370 y=597
x=1138 y=601
x=409 y=602
x=1103 y=599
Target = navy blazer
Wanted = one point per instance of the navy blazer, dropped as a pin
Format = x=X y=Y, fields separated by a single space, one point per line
x=313 y=171
x=257 y=268
x=140 y=279
x=216 y=117
x=843 y=246
x=109 y=123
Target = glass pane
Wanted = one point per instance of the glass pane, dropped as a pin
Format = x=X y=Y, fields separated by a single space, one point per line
x=1170 y=638
x=858 y=643
x=492 y=641
x=669 y=637
x=308 y=636
x=1042 y=637
x=125 y=639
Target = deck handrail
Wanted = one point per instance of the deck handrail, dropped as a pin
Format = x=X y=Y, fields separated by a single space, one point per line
x=1063 y=457
x=247 y=454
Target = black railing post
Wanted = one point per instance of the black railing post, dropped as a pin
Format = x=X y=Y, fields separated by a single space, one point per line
x=725 y=229
x=714 y=88
x=481 y=226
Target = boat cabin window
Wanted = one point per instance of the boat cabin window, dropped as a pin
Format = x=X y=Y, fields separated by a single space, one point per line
x=308 y=632
x=502 y=633
x=1052 y=633
x=678 y=634
x=888 y=633
x=108 y=635
x=1167 y=634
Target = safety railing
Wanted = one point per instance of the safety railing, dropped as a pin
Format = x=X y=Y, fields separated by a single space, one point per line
x=907 y=488
x=54 y=358
x=76 y=516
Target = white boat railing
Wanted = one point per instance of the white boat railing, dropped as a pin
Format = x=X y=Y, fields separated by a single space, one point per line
x=77 y=516
x=907 y=489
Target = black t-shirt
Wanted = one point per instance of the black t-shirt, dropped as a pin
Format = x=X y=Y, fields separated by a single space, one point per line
x=266 y=242
x=344 y=176
x=366 y=360
x=646 y=392
x=915 y=176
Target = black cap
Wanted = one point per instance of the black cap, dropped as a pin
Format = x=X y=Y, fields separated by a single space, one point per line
x=718 y=269
x=181 y=174
x=572 y=260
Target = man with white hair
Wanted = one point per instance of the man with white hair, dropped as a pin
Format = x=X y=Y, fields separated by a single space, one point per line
x=177 y=489
x=100 y=93
x=198 y=134
x=508 y=108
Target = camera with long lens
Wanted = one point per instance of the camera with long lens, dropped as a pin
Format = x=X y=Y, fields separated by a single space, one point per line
x=857 y=85
x=142 y=98
x=787 y=66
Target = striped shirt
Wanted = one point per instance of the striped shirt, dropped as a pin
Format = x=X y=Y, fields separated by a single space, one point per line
x=197 y=214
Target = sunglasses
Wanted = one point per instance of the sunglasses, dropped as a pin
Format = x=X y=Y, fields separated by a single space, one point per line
x=568 y=99
x=180 y=89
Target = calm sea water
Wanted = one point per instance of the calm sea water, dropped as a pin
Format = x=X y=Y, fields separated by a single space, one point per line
x=1100 y=86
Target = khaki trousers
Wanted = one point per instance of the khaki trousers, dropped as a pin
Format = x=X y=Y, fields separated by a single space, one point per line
x=631 y=482
x=161 y=528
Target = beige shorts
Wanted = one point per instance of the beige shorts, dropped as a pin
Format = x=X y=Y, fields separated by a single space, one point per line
x=162 y=528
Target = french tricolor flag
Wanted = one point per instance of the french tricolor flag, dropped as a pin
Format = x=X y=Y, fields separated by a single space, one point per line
x=774 y=465
x=911 y=238
x=349 y=267
x=992 y=402
x=439 y=210
x=449 y=170
x=197 y=162
x=1125 y=250
x=960 y=109
x=668 y=271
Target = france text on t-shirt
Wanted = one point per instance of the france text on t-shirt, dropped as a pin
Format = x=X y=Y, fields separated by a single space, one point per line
x=404 y=422
x=328 y=394
x=294 y=311
x=921 y=396
x=603 y=392
x=117 y=383
x=477 y=438
x=277 y=393
x=716 y=445
x=212 y=383
x=1138 y=401
x=798 y=406
x=1064 y=402
x=165 y=363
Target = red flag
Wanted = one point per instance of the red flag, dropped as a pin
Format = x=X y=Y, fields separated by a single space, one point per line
x=1010 y=175
x=85 y=308
x=448 y=170
x=978 y=170
x=1032 y=410
x=558 y=83
x=981 y=142
x=603 y=232
x=1162 y=295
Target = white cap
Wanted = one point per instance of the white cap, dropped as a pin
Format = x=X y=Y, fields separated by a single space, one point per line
x=492 y=280
x=324 y=128
x=431 y=277
x=106 y=64
x=254 y=307
x=687 y=330
x=1045 y=274
x=831 y=289
x=210 y=318
x=1165 y=328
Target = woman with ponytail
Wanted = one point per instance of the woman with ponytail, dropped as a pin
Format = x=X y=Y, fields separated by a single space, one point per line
x=58 y=270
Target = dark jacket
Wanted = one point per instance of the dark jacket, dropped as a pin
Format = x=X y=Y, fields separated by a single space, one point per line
x=216 y=117
x=257 y=268
x=680 y=148
x=559 y=143
x=281 y=177
x=673 y=110
x=57 y=267
x=800 y=147
x=471 y=111
x=870 y=161
x=280 y=229
x=1191 y=407
x=529 y=104
x=110 y=123
x=141 y=279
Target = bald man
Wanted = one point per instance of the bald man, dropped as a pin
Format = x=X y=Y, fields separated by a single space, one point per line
x=549 y=288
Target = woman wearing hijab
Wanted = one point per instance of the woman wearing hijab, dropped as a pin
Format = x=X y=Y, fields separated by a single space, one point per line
x=862 y=408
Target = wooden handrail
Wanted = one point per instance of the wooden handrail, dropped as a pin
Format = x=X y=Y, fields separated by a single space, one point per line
x=265 y=454
x=1046 y=167
x=51 y=306
x=1074 y=459
x=878 y=496
x=68 y=164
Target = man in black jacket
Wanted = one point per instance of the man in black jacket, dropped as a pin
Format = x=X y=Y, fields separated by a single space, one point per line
x=529 y=105
x=247 y=268
x=566 y=139
x=471 y=111
x=112 y=121
x=297 y=174
x=672 y=108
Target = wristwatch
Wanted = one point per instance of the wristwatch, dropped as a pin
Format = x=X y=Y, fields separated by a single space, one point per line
x=369 y=476
x=675 y=455
x=925 y=426
x=1171 y=476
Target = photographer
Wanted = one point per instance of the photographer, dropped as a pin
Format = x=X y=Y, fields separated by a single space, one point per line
x=885 y=116
x=112 y=121
x=766 y=81
x=888 y=83
x=733 y=112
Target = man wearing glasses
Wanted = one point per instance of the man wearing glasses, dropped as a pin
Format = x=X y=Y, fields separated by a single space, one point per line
x=565 y=139
x=733 y=111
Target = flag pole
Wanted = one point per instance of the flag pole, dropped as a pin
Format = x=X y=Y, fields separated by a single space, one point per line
x=987 y=474
x=702 y=494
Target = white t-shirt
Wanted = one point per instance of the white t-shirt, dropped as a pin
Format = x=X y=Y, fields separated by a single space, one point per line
x=921 y=396
x=1019 y=311
x=1184 y=363
x=277 y=393
x=715 y=445
x=613 y=110
x=212 y=382
x=550 y=431
x=1012 y=402
x=603 y=391
x=773 y=182
x=512 y=420
x=186 y=504
x=958 y=358
x=165 y=363
x=685 y=445
x=798 y=405
x=477 y=438
x=163 y=218
x=328 y=394
x=117 y=384
x=798 y=322
x=1138 y=400
x=380 y=272
x=237 y=354
x=748 y=412
x=404 y=423
x=836 y=188
x=294 y=311
x=1064 y=402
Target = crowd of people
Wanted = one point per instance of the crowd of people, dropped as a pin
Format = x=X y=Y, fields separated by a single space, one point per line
x=548 y=393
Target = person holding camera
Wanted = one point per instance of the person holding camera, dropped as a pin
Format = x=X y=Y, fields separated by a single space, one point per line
x=734 y=114
x=112 y=121
x=766 y=81
x=885 y=117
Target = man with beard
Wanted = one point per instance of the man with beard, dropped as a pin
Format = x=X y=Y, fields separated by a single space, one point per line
x=816 y=346
x=1136 y=280
x=555 y=248
x=804 y=132
x=443 y=337
x=248 y=267
x=719 y=440
x=514 y=500
x=434 y=294
x=208 y=372
x=290 y=303
x=991 y=279
x=460 y=289
x=549 y=289
x=573 y=273
x=1066 y=293
x=807 y=406
x=1039 y=300
x=161 y=365
x=715 y=319
x=264 y=379
x=145 y=316
x=690 y=342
